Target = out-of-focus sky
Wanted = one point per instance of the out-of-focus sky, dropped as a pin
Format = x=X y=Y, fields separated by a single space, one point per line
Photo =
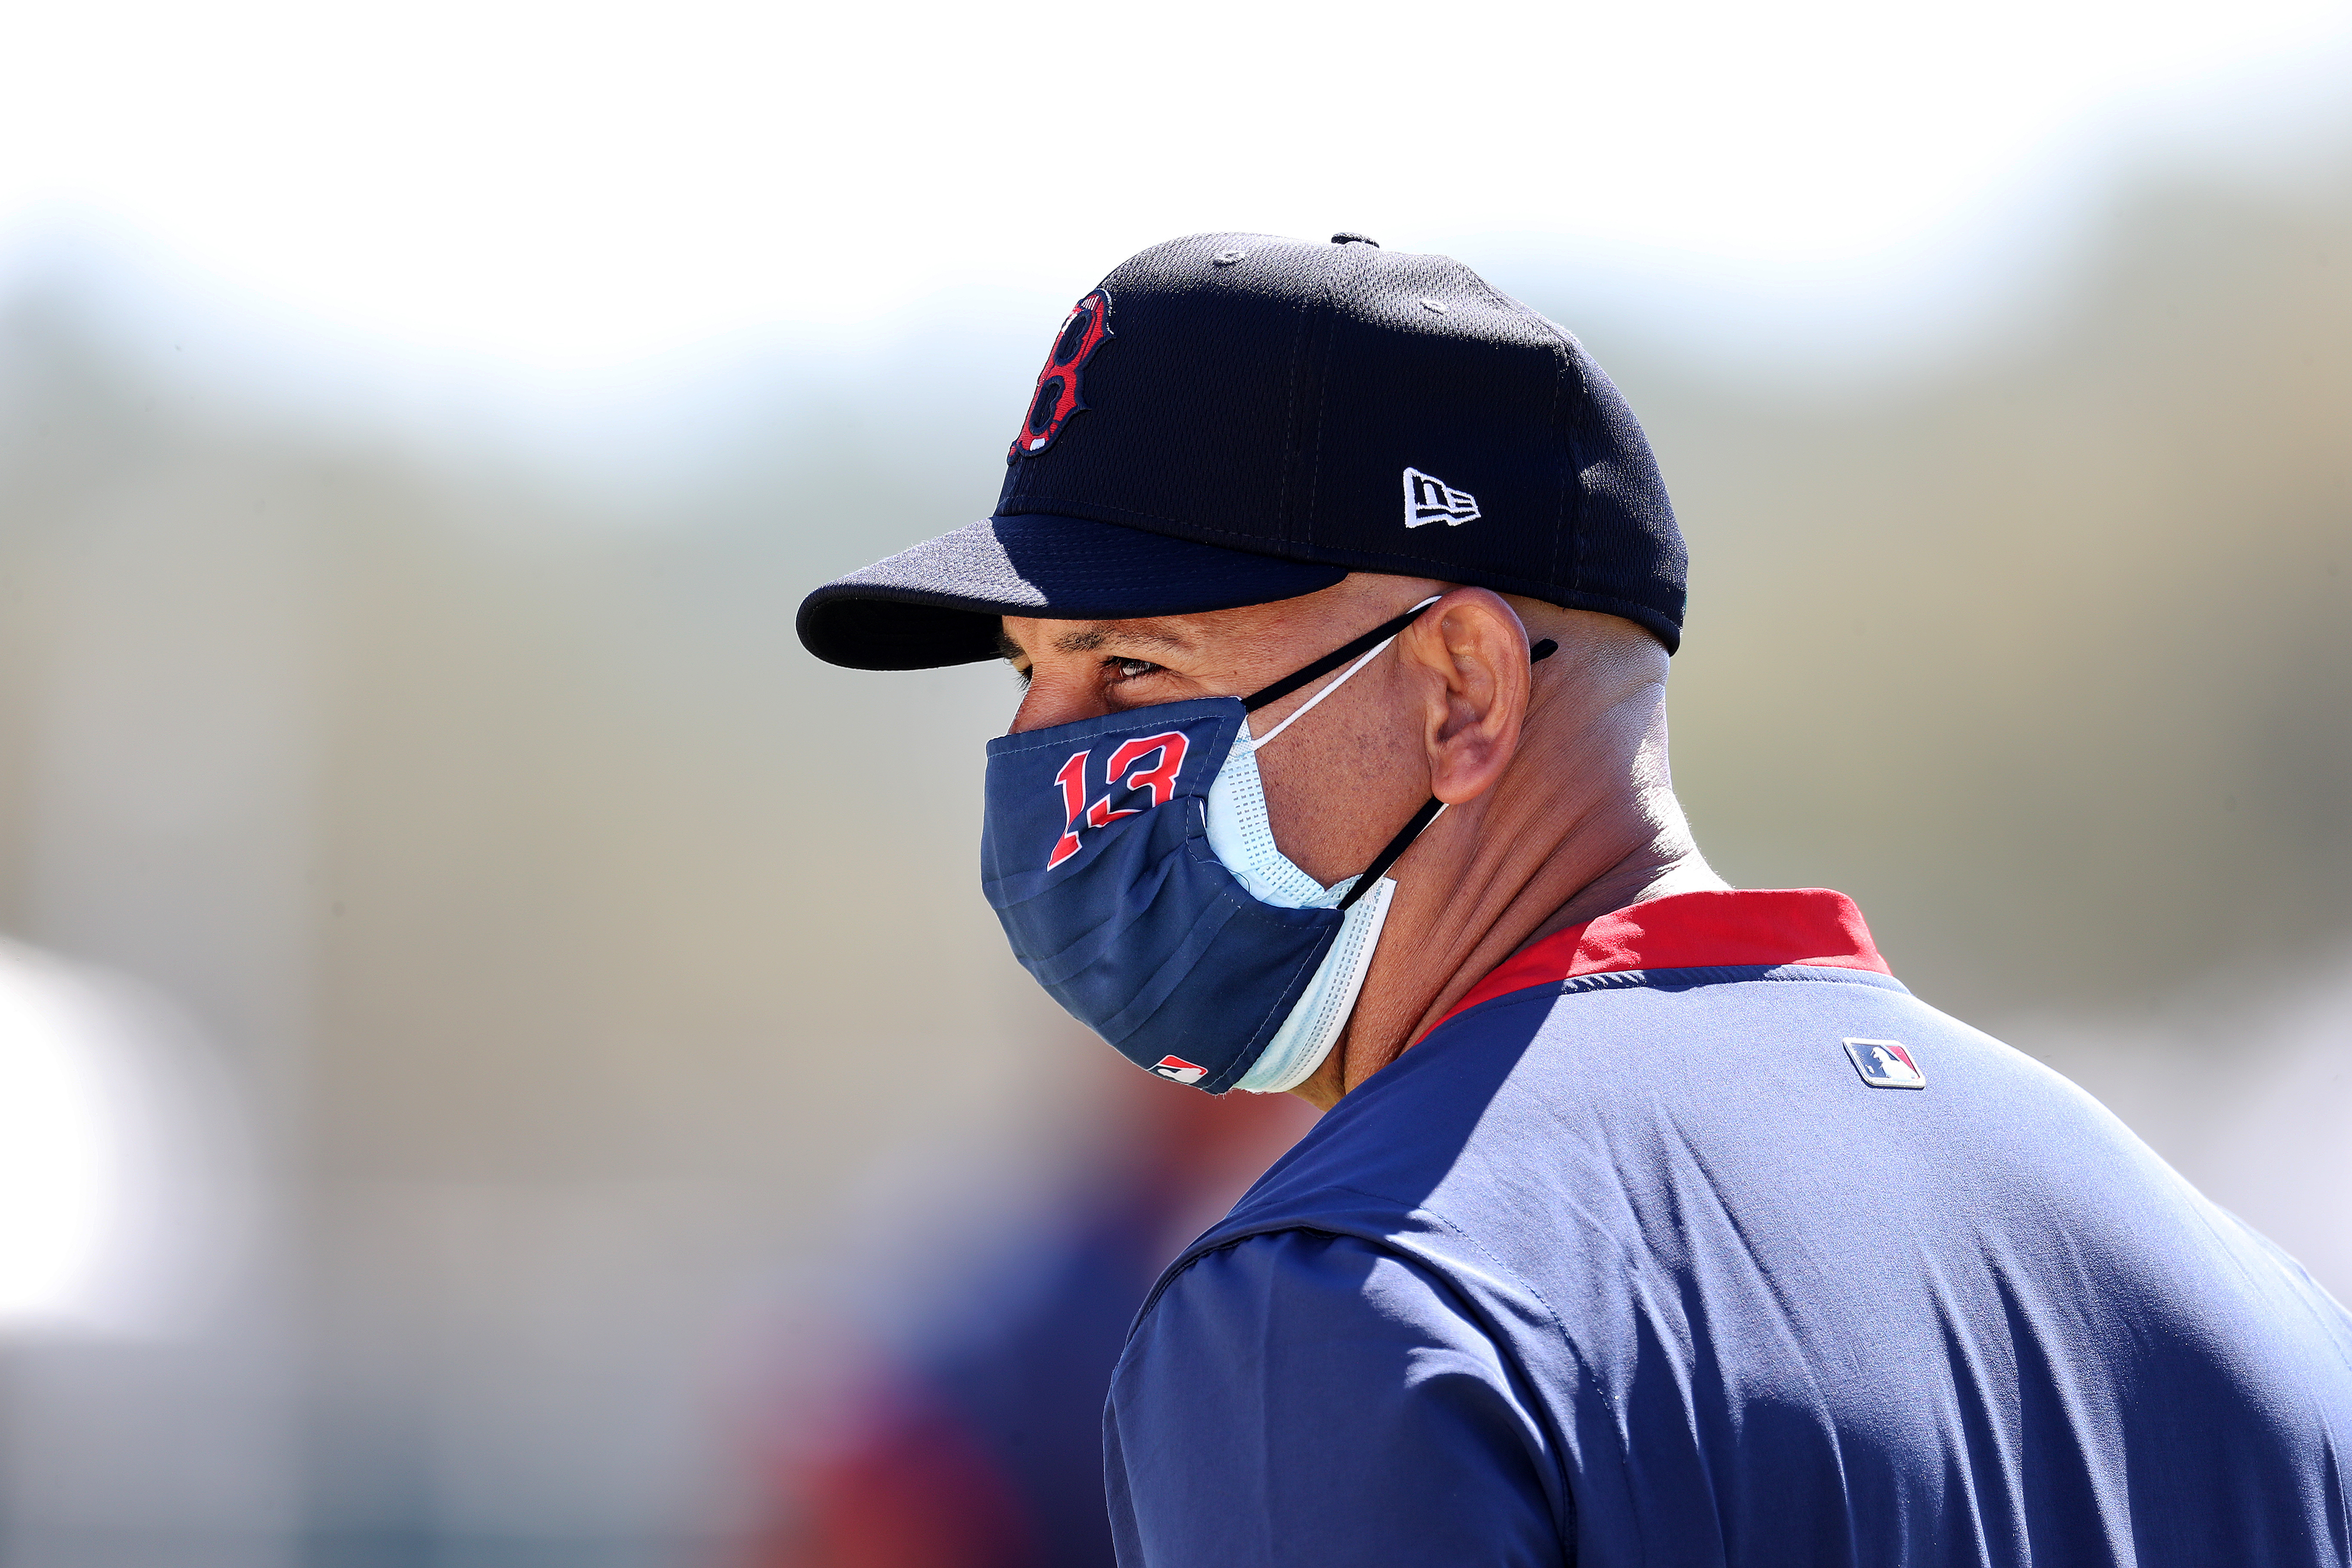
x=572 y=1037
x=579 y=186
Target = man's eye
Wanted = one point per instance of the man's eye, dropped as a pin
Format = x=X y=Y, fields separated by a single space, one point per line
x=1130 y=669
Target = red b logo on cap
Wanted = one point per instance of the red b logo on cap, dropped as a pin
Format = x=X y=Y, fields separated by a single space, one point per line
x=1056 y=398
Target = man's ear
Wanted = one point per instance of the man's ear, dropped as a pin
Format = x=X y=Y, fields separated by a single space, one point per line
x=1469 y=653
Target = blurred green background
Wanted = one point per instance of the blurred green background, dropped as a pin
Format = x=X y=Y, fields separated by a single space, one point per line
x=594 y=1021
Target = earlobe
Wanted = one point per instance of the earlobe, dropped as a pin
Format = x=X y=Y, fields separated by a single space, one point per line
x=1474 y=651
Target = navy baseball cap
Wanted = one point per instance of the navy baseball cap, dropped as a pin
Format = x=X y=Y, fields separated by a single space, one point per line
x=1232 y=419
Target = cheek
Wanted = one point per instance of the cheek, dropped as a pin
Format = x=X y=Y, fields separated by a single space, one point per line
x=1035 y=710
x=1337 y=791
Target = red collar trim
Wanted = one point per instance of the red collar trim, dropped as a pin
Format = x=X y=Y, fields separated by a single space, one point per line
x=1692 y=930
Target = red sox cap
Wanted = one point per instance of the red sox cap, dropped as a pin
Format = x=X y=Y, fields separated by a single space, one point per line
x=1230 y=419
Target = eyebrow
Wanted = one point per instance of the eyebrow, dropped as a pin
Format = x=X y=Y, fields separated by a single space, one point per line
x=1088 y=638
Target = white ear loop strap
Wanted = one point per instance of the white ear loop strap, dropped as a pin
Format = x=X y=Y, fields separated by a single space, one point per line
x=1307 y=706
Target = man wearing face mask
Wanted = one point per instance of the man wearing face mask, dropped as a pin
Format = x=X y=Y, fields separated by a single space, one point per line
x=1652 y=1221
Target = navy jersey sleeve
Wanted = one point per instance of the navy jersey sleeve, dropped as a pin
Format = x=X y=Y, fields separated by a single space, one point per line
x=1298 y=1398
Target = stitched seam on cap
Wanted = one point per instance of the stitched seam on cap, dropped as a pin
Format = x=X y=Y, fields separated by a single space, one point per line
x=1563 y=354
x=1571 y=512
x=1323 y=393
x=1566 y=456
x=1290 y=422
x=1576 y=458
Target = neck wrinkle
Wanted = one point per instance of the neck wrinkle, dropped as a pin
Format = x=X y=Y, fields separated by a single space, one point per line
x=1648 y=870
x=1549 y=850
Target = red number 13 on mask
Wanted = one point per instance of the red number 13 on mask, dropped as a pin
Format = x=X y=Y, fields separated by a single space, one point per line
x=1160 y=779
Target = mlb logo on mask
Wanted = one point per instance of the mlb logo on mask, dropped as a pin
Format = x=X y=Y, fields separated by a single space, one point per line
x=1885 y=1064
x=1180 y=1069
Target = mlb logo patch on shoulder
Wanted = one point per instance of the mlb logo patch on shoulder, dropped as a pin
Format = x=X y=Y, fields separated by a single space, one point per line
x=1885 y=1064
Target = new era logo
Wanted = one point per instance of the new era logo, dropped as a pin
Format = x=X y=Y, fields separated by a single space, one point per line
x=1885 y=1064
x=1428 y=499
x=1180 y=1069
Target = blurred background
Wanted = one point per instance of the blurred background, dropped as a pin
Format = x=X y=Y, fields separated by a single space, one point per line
x=503 y=1058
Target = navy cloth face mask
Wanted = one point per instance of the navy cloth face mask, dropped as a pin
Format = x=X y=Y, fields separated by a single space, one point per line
x=1129 y=860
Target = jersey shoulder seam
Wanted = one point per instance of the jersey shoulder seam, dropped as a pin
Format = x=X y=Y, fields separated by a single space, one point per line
x=1306 y=1226
x=1431 y=1269
x=1689 y=978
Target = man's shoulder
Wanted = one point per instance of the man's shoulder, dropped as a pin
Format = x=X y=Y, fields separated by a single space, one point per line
x=1527 y=1078
x=1557 y=1155
x=1508 y=1123
x=1703 y=1220
x=1320 y=1349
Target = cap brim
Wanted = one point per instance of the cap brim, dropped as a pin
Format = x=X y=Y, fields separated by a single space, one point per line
x=938 y=603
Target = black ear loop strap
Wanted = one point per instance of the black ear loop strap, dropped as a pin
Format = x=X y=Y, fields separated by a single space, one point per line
x=1330 y=661
x=1424 y=817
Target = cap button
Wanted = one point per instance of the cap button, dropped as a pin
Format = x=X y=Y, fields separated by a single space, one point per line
x=1344 y=237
